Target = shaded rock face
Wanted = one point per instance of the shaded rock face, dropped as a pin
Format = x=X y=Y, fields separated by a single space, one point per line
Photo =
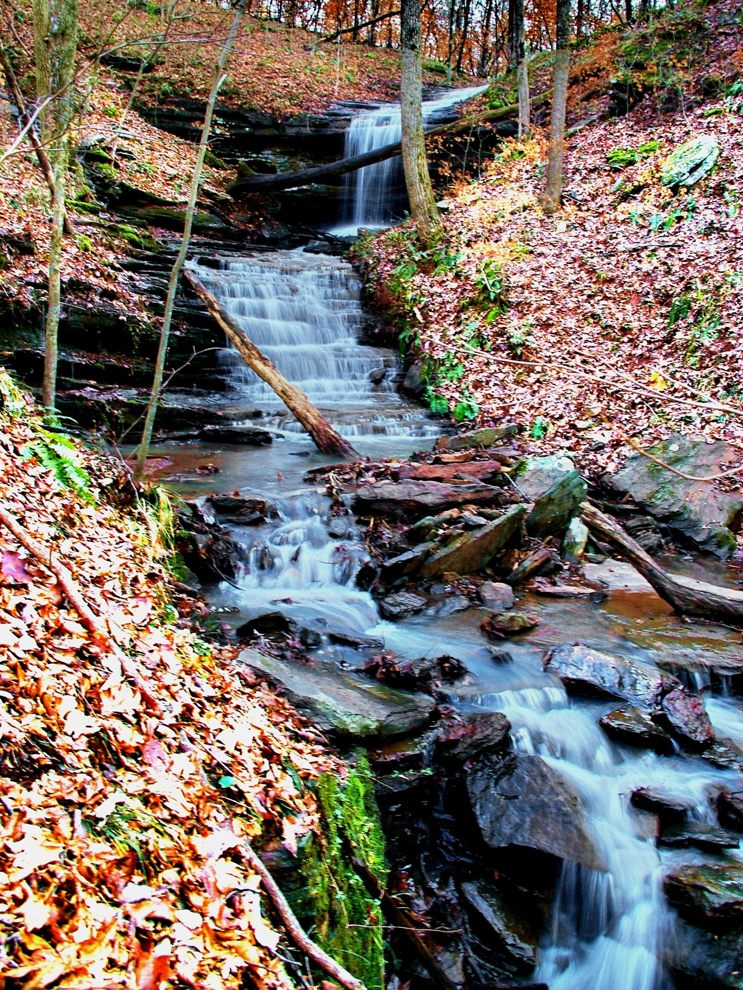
x=342 y=702
x=505 y=624
x=556 y=489
x=521 y=802
x=421 y=496
x=692 y=509
x=419 y=673
x=699 y=835
x=706 y=959
x=486 y=437
x=513 y=935
x=730 y=810
x=669 y=810
x=707 y=894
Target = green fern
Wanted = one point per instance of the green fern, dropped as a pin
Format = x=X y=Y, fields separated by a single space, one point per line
x=57 y=453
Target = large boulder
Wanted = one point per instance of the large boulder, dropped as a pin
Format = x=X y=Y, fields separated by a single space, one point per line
x=473 y=551
x=344 y=702
x=709 y=960
x=556 y=489
x=520 y=802
x=588 y=671
x=690 y=162
x=695 y=510
x=707 y=894
x=421 y=496
x=465 y=736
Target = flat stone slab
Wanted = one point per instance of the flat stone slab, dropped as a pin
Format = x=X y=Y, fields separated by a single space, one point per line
x=618 y=575
x=708 y=893
x=474 y=550
x=344 y=702
x=421 y=496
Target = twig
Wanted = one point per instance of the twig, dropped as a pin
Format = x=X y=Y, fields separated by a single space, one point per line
x=76 y=599
x=686 y=477
x=295 y=930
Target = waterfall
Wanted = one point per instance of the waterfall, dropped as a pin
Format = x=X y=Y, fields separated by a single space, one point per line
x=304 y=312
x=375 y=196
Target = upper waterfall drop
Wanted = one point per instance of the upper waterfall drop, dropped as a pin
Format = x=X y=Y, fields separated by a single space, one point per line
x=375 y=196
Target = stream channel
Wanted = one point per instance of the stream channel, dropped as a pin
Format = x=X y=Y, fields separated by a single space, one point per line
x=606 y=929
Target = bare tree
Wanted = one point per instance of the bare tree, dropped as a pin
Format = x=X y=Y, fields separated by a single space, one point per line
x=55 y=50
x=415 y=164
x=517 y=59
x=553 y=192
x=217 y=80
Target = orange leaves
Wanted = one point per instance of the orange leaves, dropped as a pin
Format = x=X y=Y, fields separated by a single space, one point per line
x=120 y=849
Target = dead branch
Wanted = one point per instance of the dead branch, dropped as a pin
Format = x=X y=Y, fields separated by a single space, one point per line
x=75 y=596
x=686 y=477
x=360 y=27
x=295 y=930
x=685 y=595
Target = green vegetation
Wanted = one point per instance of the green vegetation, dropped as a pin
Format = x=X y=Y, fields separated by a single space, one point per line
x=347 y=920
x=60 y=455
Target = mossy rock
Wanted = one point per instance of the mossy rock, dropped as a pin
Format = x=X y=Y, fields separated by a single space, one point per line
x=691 y=162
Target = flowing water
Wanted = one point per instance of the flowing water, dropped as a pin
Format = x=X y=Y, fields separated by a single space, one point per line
x=610 y=929
x=374 y=196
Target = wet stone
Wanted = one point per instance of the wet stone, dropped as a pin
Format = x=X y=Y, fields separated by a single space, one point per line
x=401 y=605
x=508 y=624
x=464 y=737
x=730 y=810
x=669 y=810
x=497 y=596
x=687 y=717
x=585 y=670
x=710 y=960
x=700 y=835
x=521 y=802
x=634 y=727
x=474 y=550
x=408 y=563
x=708 y=893
x=556 y=488
x=513 y=934
x=249 y=436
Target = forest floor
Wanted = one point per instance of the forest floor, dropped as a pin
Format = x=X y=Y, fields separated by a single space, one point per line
x=137 y=760
x=621 y=316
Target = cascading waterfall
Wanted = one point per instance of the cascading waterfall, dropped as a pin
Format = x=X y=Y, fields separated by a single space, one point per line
x=304 y=312
x=374 y=196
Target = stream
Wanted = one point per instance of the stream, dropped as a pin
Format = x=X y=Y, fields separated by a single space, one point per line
x=608 y=930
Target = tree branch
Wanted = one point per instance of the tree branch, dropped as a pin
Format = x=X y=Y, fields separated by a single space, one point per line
x=680 y=474
x=358 y=27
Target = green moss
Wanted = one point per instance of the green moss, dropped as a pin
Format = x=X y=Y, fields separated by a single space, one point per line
x=346 y=920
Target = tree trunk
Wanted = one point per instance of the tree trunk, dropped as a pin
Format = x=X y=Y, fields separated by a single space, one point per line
x=524 y=109
x=320 y=173
x=628 y=12
x=553 y=192
x=515 y=33
x=162 y=351
x=686 y=595
x=325 y=437
x=415 y=164
x=55 y=50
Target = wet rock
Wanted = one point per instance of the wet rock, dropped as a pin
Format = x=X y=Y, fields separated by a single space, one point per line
x=453 y=473
x=470 y=734
x=272 y=624
x=542 y=561
x=486 y=437
x=705 y=894
x=473 y=551
x=344 y=702
x=687 y=717
x=508 y=624
x=239 y=509
x=413 y=383
x=401 y=605
x=556 y=489
x=450 y=606
x=588 y=671
x=644 y=530
x=427 y=527
x=500 y=656
x=339 y=527
x=634 y=727
x=421 y=496
x=669 y=810
x=513 y=935
x=700 y=835
x=722 y=673
x=377 y=376
x=730 y=810
x=694 y=510
x=408 y=563
x=496 y=596
x=617 y=575
x=356 y=640
x=520 y=802
x=417 y=673
x=723 y=753
x=706 y=960
x=250 y=436
x=575 y=539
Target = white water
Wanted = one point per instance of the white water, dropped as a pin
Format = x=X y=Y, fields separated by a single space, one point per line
x=373 y=196
x=304 y=312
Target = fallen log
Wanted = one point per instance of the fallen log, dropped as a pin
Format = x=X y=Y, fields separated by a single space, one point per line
x=325 y=437
x=686 y=595
x=306 y=176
